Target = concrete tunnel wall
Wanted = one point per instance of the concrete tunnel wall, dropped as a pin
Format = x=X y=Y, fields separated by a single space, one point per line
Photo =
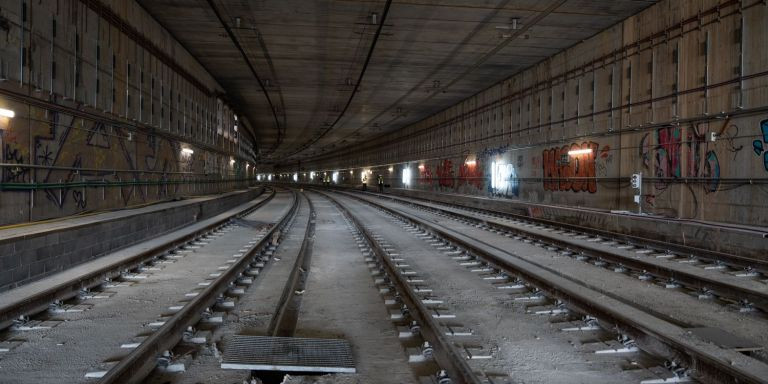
x=644 y=95
x=106 y=95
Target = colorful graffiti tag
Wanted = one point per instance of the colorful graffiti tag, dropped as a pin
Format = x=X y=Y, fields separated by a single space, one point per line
x=577 y=174
x=759 y=146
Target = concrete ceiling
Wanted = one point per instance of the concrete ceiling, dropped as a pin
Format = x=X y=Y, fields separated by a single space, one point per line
x=308 y=54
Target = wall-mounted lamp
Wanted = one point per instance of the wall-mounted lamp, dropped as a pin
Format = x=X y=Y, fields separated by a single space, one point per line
x=7 y=113
x=421 y=167
x=187 y=151
x=391 y=169
x=580 y=152
x=470 y=163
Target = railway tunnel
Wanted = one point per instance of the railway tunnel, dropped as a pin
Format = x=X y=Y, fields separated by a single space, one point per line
x=383 y=191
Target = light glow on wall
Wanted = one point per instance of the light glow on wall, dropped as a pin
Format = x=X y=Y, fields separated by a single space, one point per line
x=406 y=176
x=580 y=152
x=503 y=178
x=497 y=175
x=295 y=177
x=312 y=175
x=335 y=177
x=421 y=167
x=391 y=169
x=269 y=177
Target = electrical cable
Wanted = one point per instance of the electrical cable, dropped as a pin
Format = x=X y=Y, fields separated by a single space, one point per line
x=357 y=84
x=234 y=40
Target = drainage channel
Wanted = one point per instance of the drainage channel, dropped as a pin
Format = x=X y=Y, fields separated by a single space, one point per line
x=452 y=365
x=742 y=291
x=686 y=353
x=230 y=280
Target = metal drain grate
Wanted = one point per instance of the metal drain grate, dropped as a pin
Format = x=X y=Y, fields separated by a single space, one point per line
x=288 y=354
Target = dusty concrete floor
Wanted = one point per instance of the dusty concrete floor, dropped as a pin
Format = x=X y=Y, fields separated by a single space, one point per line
x=90 y=341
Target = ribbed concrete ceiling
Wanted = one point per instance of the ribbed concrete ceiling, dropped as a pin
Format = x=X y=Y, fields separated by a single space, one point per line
x=309 y=54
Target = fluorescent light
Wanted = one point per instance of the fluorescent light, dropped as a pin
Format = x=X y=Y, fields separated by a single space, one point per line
x=579 y=152
x=295 y=177
x=7 y=113
x=335 y=177
x=188 y=151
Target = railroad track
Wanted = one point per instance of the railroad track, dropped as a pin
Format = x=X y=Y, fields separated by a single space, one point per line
x=164 y=251
x=656 y=335
x=736 y=281
x=457 y=370
x=38 y=300
x=143 y=359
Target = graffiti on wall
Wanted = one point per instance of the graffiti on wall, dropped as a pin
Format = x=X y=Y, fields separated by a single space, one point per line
x=81 y=150
x=662 y=153
x=13 y=154
x=445 y=173
x=760 y=147
x=564 y=172
x=471 y=174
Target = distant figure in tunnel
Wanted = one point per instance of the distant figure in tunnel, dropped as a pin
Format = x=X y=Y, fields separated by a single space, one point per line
x=380 y=180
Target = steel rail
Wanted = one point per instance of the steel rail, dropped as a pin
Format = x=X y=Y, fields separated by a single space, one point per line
x=41 y=300
x=722 y=288
x=445 y=354
x=282 y=323
x=134 y=367
x=657 y=336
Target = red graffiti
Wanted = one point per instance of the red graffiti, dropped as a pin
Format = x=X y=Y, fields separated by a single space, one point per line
x=425 y=175
x=445 y=173
x=471 y=174
x=564 y=172
x=668 y=154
